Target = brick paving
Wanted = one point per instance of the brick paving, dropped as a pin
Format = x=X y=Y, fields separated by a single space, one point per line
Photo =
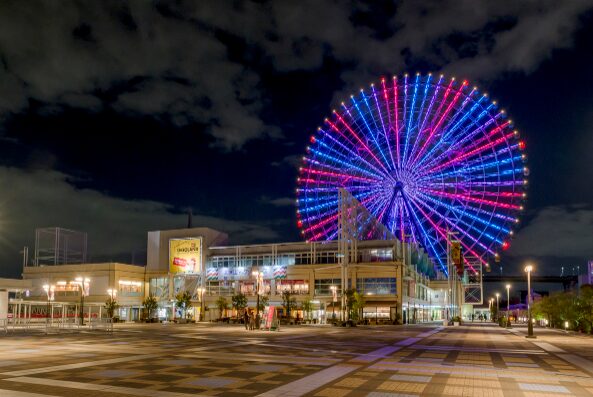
x=156 y=360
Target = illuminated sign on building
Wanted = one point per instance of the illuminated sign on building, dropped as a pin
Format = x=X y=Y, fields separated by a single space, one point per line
x=185 y=255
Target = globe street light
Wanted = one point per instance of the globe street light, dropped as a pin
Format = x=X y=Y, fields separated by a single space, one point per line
x=49 y=290
x=508 y=286
x=528 y=270
x=334 y=291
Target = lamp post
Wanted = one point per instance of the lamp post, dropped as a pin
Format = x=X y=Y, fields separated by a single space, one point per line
x=508 y=287
x=497 y=307
x=334 y=291
x=528 y=270
x=84 y=286
x=112 y=292
x=49 y=290
x=201 y=291
x=257 y=276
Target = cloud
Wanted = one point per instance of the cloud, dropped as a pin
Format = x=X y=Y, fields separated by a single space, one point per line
x=279 y=202
x=475 y=39
x=146 y=61
x=557 y=231
x=201 y=63
x=115 y=226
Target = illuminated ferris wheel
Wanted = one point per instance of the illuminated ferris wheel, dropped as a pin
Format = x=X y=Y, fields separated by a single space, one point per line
x=426 y=156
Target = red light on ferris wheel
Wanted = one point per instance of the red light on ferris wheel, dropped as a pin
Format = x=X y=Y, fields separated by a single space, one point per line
x=522 y=145
x=506 y=245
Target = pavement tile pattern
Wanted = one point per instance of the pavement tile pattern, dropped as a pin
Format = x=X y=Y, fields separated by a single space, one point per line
x=156 y=360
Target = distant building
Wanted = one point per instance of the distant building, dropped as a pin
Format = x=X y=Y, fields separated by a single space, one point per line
x=198 y=259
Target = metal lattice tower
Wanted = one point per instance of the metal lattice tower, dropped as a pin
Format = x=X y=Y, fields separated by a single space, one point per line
x=57 y=246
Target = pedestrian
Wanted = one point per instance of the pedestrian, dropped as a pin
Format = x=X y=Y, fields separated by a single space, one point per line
x=246 y=319
x=252 y=322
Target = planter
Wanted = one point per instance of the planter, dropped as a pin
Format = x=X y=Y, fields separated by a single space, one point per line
x=445 y=323
x=456 y=323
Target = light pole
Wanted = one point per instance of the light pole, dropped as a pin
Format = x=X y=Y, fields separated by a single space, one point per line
x=201 y=291
x=49 y=290
x=508 y=286
x=497 y=307
x=84 y=286
x=334 y=291
x=491 y=307
x=257 y=276
x=529 y=269
x=112 y=292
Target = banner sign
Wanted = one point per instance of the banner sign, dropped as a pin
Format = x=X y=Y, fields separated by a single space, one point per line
x=185 y=255
x=279 y=272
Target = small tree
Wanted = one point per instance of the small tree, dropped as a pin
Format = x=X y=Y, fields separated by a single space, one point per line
x=288 y=301
x=150 y=304
x=222 y=305
x=183 y=302
x=239 y=302
x=307 y=308
x=357 y=305
x=350 y=301
x=111 y=306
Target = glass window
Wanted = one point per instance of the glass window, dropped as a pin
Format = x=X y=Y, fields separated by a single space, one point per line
x=322 y=286
x=376 y=286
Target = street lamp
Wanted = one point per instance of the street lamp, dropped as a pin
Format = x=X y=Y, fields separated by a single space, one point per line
x=84 y=287
x=49 y=290
x=508 y=286
x=497 y=308
x=334 y=291
x=258 y=276
x=529 y=269
x=201 y=291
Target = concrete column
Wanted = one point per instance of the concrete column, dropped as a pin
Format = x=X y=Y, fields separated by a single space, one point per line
x=3 y=304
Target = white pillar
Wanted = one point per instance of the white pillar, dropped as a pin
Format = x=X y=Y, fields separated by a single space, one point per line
x=3 y=305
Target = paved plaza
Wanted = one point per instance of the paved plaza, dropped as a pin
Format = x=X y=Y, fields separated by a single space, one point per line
x=155 y=360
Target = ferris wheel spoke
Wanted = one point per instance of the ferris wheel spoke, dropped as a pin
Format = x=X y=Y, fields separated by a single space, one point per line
x=361 y=161
x=396 y=115
x=442 y=117
x=360 y=141
x=454 y=227
x=427 y=115
x=428 y=239
x=364 y=120
x=467 y=219
x=472 y=144
x=455 y=141
x=385 y=131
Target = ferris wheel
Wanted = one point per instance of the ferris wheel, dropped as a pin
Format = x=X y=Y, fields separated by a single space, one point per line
x=427 y=157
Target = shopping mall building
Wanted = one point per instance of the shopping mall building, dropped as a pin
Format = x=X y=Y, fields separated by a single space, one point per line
x=198 y=260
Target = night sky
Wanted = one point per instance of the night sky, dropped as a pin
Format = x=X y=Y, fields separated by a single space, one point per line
x=117 y=117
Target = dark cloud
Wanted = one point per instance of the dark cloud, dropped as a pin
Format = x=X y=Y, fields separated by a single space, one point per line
x=559 y=231
x=279 y=202
x=164 y=67
x=188 y=74
x=34 y=199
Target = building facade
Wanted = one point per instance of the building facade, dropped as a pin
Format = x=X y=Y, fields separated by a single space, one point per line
x=198 y=260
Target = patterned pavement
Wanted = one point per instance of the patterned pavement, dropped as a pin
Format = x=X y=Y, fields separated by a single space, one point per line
x=156 y=360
